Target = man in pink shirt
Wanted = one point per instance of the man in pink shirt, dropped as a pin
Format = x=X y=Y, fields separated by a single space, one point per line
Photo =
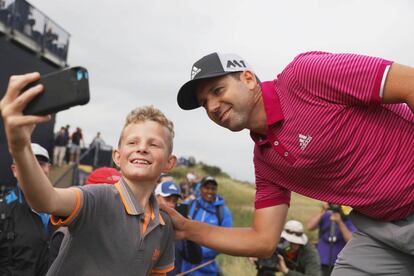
x=335 y=127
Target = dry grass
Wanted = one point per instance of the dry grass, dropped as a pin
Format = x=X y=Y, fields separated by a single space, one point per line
x=239 y=198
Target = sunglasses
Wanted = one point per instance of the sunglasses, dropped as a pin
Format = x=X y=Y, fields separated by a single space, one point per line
x=299 y=234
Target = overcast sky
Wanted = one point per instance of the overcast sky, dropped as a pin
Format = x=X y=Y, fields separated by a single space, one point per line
x=141 y=52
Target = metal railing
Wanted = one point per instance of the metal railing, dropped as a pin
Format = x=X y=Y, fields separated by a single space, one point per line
x=74 y=168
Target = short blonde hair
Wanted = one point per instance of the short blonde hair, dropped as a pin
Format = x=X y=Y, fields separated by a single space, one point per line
x=149 y=113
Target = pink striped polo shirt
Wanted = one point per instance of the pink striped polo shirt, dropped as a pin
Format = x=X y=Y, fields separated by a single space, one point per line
x=330 y=138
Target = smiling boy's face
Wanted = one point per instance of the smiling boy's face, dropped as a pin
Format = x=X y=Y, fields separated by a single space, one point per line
x=144 y=151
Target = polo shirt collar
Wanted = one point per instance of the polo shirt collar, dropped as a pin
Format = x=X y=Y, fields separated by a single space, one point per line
x=131 y=205
x=273 y=108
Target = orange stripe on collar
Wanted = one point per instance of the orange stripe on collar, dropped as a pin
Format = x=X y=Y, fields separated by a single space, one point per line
x=124 y=201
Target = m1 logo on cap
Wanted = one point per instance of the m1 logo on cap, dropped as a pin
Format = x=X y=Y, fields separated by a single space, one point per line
x=233 y=63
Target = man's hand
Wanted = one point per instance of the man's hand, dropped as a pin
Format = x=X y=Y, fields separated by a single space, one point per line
x=253 y=260
x=336 y=217
x=282 y=264
x=346 y=233
x=178 y=221
x=18 y=127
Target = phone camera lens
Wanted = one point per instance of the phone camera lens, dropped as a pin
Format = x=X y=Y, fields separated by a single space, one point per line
x=79 y=75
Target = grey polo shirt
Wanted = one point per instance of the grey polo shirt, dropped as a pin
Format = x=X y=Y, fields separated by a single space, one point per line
x=109 y=234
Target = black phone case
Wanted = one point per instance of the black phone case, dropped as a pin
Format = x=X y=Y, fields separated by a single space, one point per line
x=182 y=209
x=62 y=90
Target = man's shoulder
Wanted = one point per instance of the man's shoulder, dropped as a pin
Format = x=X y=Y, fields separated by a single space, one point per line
x=309 y=55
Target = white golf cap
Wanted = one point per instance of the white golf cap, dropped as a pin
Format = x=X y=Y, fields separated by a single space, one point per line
x=38 y=150
x=293 y=232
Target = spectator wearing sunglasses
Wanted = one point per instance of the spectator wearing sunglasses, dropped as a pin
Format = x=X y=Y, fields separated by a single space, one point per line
x=300 y=257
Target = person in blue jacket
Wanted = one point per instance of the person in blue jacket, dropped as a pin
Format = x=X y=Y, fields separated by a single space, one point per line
x=168 y=193
x=209 y=208
x=24 y=233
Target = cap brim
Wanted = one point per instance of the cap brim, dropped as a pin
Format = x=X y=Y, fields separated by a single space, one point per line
x=41 y=157
x=187 y=98
x=209 y=182
x=167 y=195
x=295 y=239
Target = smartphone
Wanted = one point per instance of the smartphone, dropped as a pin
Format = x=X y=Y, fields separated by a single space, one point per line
x=182 y=209
x=62 y=89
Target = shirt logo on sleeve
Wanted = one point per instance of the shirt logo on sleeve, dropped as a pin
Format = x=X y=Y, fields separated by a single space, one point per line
x=304 y=141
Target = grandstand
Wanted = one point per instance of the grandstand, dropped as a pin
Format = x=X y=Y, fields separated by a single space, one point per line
x=29 y=41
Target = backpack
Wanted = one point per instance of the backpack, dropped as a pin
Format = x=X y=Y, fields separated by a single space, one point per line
x=219 y=211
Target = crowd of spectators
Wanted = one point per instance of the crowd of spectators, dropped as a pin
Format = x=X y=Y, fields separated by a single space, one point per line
x=68 y=146
x=196 y=197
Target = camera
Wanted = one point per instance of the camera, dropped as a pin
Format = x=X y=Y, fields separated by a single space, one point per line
x=268 y=266
x=336 y=208
x=182 y=209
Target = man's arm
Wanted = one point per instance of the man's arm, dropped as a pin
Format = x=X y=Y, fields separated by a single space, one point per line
x=314 y=221
x=346 y=233
x=399 y=85
x=258 y=240
x=36 y=187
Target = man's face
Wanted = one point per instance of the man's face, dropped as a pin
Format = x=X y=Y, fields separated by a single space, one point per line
x=228 y=100
x=143 y=152
x=170 y=201
x=208 y=192
x=294 y=247
x=44 y=165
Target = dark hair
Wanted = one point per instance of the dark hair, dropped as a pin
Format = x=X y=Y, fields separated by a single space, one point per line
x=236 y=75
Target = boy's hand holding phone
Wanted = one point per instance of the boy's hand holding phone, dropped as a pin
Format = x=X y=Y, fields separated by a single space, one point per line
x=30 y=99
x=19 y=127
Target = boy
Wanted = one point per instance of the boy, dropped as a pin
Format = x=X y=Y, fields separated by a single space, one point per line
x=114 y=229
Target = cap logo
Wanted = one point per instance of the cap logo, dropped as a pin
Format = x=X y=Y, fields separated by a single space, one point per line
x=231 y=64
x=172 y=187
x=194 y=72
